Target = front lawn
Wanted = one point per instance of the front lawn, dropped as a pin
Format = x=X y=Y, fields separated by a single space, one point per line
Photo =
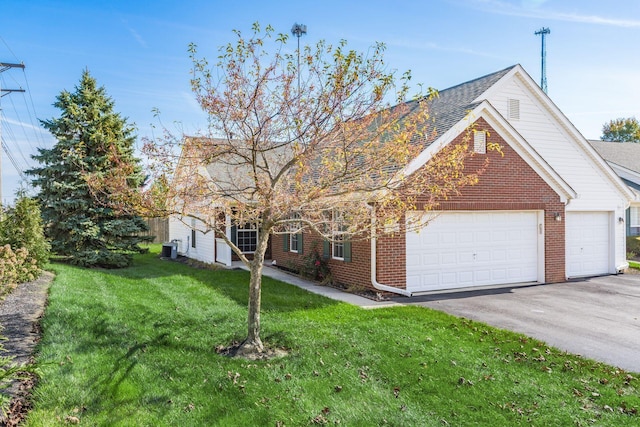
x=136 y=347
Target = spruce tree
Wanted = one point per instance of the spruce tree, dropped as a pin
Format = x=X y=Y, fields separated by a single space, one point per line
x=91 y=139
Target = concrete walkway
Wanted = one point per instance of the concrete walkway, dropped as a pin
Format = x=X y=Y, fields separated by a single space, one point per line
x=326 y=291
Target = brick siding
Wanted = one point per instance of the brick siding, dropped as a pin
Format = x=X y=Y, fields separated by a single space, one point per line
x=508 y=184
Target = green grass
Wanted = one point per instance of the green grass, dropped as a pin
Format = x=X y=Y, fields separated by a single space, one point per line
x=136 y=347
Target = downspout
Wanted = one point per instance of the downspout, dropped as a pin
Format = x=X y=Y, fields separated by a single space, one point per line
x=379 y=286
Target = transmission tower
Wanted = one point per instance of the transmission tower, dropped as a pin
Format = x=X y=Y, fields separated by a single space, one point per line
x=543 y=75
x=4 y=67
x=298 y=30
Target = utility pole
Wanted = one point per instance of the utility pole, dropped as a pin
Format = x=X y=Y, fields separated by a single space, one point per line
x=4 y=66
x=543 y=75
x=298 y=30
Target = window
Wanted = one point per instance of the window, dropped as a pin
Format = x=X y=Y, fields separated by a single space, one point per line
x=480 y=142
x=247 y=238
x=339 y=246
x=337 y=241
x=634 y=212
x=293 y=242
x=193 y=232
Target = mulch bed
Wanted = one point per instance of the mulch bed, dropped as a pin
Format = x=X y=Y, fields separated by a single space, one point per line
x=20 y=314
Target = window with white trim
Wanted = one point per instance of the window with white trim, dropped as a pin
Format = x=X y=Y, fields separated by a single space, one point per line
x=634 y=213
x=193 y=232
x=294 y=234
x=293 y=242
x=337 y=241
x=247 y=237
x=480 y=142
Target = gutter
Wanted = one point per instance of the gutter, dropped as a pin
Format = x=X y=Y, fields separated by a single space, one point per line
x=379 y=286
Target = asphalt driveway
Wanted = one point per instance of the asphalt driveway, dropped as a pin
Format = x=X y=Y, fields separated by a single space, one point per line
x=598 y=318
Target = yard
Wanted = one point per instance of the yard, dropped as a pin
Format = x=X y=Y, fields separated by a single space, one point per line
x=138 y=347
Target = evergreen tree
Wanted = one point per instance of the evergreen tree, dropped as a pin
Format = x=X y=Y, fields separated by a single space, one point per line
x=22 y=227
x=91 y=140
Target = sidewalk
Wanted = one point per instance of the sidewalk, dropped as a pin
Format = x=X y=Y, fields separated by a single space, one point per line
x=326 y=291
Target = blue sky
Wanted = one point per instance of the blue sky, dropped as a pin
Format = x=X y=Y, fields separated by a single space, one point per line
x=137 y=49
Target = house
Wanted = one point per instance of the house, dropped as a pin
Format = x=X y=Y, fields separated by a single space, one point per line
x=547 y=208
x=624 y=159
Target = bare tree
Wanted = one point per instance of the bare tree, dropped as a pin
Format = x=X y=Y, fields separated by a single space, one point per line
x=288 y=160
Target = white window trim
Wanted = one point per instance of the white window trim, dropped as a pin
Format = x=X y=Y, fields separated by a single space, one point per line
x=239 y=229
x=634 y=216
x=294 y=226
x=291 y=239
x=194 y=234
x=336 y=222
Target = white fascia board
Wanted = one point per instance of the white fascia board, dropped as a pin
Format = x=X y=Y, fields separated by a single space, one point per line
x=629 y=175
x=436 y=146
x=486 y=111
x=520 y=145
x=572 y=132
x=625 y=173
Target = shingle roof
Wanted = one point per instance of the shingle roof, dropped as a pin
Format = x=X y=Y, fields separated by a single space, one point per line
x=625 y=154
x=453 y=104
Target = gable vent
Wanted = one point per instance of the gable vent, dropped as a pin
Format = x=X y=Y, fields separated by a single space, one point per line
x=480 y=142
x=513 y=106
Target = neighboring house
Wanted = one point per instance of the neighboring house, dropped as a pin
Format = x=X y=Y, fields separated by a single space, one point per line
x=624 y=159
x=546 y=209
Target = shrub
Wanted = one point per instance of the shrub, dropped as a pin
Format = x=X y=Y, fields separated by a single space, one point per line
x=633 y=246
x=15 y=267
x=314 y=266
x=22 y=228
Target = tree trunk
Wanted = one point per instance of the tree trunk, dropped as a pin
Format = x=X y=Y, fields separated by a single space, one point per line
x=253 y=344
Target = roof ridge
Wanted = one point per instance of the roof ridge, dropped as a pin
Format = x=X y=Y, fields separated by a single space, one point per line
x=503 y=71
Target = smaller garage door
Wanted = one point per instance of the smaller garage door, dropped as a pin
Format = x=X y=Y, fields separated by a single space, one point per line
x=588 y=243
x=461 y=249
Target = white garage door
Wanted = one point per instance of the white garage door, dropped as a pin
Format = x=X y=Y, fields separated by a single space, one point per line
x=588 y=243
x=461 y=249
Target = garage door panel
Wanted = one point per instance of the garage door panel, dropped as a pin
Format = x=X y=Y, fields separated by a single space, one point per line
x=499 y=255
x=474 y=249
x=588 y=243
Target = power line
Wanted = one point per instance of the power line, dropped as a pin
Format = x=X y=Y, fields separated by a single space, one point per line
x=13 y=160
x=12 y=137
x=33 y=108
x=4 y=66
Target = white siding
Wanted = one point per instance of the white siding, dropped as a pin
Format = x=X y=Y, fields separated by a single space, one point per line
x=205 y=242
x=547 y=135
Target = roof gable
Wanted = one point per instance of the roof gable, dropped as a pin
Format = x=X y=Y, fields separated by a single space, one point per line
x=457 y=107
x=486 y=111
x=560 y=121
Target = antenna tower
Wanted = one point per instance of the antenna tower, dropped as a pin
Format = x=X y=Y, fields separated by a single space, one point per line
x=543 y=75
x=298 y=30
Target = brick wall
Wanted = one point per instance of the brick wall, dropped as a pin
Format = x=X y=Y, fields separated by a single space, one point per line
x=354 y=273
x=508 y=183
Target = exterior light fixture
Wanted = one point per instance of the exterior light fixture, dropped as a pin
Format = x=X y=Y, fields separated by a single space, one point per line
x=557 y=216
x=620 y=220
